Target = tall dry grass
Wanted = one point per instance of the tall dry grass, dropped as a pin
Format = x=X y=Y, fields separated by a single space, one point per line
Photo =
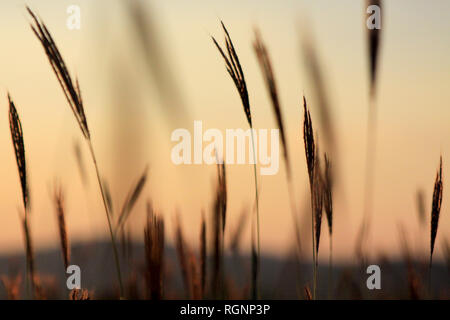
x=311 y=161
x=130 y=201
x=318 y=200
x=194 y=270
x=72 y=92
x=154 y=254
x=219 y=214
x=234 y=68
x=328 y=208
x=58 y=199
x=19 y=151
x=435 y=212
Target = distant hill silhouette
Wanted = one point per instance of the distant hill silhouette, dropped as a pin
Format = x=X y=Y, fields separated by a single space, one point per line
x=278 y=276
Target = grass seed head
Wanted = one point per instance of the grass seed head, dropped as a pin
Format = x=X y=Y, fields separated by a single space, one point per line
x=235 y=70
x=436 y=206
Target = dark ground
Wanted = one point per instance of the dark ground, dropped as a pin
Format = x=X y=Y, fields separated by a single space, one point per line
x=279 y=277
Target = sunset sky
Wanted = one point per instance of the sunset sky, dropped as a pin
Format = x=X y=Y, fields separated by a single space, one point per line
x=131 y=121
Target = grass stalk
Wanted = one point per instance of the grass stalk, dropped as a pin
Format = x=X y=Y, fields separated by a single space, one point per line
x=313 y=248
x=72 y=93
x=108 y=216
x=19 y=152
x=236 y=73
x=328 y=206
x=435 y=212
x=310 y=152
x=258 y=244
x=330 y=269
x=374 y=40
x=58 y=199
x=265 y=64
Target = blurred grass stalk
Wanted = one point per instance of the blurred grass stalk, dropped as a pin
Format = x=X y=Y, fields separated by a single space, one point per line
x=374 y=39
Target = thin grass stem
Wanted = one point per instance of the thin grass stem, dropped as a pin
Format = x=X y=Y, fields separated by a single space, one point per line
x=108 y=216
x=257 y=209
x=313 y=247
x=330 y=270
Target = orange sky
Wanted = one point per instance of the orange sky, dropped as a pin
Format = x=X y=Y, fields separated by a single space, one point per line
x=130 y=129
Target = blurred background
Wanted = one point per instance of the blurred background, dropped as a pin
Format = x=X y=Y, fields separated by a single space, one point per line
x=147 y=69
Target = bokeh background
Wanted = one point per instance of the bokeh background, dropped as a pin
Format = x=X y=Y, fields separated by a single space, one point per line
x=135 y=96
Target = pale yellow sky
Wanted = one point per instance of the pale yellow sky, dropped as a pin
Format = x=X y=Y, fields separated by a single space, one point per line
x=124 y=111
